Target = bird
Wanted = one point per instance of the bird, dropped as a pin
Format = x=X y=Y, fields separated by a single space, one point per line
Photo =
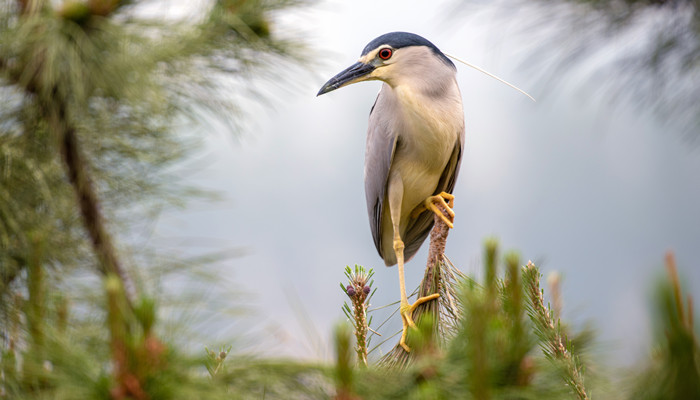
x=414 y=148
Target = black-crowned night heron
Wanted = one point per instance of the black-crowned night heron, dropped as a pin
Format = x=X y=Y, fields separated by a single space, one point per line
x=415 y=142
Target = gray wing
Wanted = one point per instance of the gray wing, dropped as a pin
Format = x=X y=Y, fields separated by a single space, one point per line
x=381 y=143
x=419 y=228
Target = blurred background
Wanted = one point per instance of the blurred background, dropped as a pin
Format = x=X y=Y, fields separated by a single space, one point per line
x=596 y=181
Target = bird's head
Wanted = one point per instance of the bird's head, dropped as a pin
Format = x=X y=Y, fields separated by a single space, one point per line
x=393 y=58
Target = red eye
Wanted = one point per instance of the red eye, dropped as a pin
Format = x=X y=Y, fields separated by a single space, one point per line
x=385 y=54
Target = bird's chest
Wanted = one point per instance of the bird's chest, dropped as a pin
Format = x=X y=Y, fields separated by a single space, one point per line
x=427 y=134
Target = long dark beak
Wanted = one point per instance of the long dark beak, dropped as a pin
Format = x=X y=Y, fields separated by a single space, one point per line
x=351 y=75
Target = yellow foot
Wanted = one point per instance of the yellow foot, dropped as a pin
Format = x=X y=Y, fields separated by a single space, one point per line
x=446 y=200
x=407 y=317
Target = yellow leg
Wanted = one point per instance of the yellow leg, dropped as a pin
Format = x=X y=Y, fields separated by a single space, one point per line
x=406 y=310
x=395 y=197
x=446 y=200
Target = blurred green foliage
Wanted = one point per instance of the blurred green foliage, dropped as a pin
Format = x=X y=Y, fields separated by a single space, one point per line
x=99 y=99
x=499 y=351
x=509 y=344
x=99 y=79
x=127 y=86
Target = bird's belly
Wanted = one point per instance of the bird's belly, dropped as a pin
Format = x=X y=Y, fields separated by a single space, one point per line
x=419 y=182
x=423 y=150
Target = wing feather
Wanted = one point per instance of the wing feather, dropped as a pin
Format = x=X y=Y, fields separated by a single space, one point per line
x=381 y=144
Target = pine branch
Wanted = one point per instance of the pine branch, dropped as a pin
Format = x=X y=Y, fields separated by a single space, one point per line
x=54 y=110
x=343 y=367
x=360 y=292
x=552 y=340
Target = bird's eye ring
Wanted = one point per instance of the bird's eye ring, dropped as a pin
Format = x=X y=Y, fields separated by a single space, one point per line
x=385 y=53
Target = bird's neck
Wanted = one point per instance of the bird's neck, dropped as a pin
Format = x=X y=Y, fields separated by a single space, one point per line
x=435 y=110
